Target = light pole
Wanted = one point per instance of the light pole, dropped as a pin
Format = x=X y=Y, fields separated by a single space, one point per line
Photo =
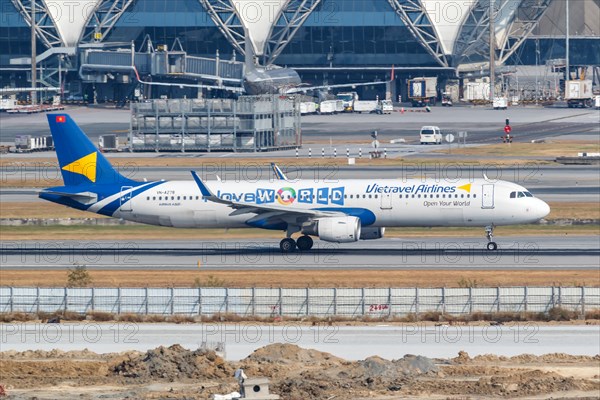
x=33 y=57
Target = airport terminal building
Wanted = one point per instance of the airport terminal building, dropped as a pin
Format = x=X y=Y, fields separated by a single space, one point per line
x=88 y=47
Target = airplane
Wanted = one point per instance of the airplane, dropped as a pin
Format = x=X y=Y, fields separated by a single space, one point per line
x=344 y=211
x=274 y=79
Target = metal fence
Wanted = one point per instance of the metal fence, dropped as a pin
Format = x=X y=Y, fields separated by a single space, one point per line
x=317 y=302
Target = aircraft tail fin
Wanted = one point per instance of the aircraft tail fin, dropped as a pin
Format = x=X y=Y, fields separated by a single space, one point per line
x=79 y=160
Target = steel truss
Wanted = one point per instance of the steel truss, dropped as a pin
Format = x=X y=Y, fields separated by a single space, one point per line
x=103 y=19
x=473 y=39
x=414 y=16
x=44 y=27
x=291 y=18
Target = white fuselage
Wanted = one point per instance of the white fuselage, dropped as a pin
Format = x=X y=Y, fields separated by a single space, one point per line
x=379 y=203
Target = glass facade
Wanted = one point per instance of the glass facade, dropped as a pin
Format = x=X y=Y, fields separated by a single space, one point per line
x=338 y=33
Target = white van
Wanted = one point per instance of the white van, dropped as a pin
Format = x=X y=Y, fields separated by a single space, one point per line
x=431 y=134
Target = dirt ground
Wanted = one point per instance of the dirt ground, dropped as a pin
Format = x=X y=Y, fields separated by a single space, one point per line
x=295 y=374
x=320 y=278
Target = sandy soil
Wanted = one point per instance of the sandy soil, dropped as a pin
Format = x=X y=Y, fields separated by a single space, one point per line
x=295 y=373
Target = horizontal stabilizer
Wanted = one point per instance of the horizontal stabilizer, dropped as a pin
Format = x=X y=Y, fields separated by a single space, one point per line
x=81 y=197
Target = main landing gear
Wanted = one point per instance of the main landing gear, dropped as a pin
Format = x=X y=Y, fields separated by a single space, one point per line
x=289 y=245
x=489 y=232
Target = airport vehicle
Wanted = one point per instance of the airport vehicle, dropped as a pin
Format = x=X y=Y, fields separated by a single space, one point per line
x=28 y=143
x=330 y=107
x=8 y=104
x=385 y=107
x=422 y=91
x=430 y=134
x=597 y=102
x=578 y=93
x=308 y=107
x=341 y=211
x=348 y=100
x=446 y=100
x=500 y=103
x=365 y=106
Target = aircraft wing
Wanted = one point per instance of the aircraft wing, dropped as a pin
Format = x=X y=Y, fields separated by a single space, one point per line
x=270 y=209
x=302 y=89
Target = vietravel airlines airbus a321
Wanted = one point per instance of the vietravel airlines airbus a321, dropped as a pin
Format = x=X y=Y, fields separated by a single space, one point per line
x=341 y=212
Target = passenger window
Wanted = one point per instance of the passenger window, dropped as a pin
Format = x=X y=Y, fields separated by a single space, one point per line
x=474 y=196
x=147 y=198
x=400 y=196
x=153 y=197
x=370 y=196
x=376 y=196
x=513 y=195
x=159 y=198
x=197 y=197
x=419 y=196
x=178 y=197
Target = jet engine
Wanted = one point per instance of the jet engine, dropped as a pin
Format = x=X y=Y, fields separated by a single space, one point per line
x=339 y=229
x=371 y=233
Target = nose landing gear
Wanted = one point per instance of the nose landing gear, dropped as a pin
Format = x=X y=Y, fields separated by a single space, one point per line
x=489 y=232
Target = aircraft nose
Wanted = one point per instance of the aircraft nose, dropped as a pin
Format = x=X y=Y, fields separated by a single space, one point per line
x=543 y=209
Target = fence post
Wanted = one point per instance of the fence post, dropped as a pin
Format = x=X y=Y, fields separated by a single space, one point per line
x=307 y=302
x=146 y=302
x=553 y=299
x=334 y=301
x=526 y=298
x=362 y=300
x=93 y=300
x=417 y=302
x=443 y=300
x=470 y=300
x=226 y=300
x=65 y=299
x=200 y=302
x=12 y=300
x=253 y=301
x=37 y=299
x=583 y=301
x=280 y=302
x=172 y=310
x=118 y=301
x=389 y=302
x=560 y=296
x=497 y=298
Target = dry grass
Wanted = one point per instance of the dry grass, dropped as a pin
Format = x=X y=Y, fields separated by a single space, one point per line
x=549 y=149
x=313 y=278
x=145 y=232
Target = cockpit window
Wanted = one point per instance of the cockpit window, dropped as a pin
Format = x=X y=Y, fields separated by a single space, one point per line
x=513 y=195
x=528 y=194
x=521 y=194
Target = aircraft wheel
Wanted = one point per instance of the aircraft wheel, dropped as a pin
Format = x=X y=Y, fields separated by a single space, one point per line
x=304 y=243
x=287 y=245
x=492 y=246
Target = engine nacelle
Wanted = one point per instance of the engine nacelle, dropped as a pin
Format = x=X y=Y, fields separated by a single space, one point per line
x=371 y=233
x=339 y=229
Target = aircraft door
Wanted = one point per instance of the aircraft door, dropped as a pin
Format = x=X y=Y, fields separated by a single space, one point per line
x=386 y=201
x=125 y=200
x=487 y=196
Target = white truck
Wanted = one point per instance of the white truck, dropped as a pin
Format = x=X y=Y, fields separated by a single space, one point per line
x=430 y=134
x=28 y=143
x=308 y=107
x=385 y=107
x=365 y=106
x=422 y=91
x=348 y=99
x=578 y=93
x=500 y=103
x=8 y=104
x=329 y=106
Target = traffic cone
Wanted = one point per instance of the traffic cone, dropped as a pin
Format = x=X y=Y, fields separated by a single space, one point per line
x=402 y=110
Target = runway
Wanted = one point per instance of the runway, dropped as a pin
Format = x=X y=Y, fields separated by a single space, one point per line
x=349 y=342
x=516 y=253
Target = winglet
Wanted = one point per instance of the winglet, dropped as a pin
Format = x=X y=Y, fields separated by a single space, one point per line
x=278 y=172
x=203 y=188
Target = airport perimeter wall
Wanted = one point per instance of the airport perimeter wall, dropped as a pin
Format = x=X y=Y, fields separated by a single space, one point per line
x=317 y=302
